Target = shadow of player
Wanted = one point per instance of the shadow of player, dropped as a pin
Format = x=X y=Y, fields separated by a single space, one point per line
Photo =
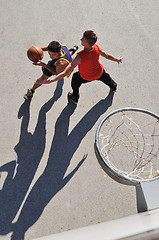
x=53 y=179
x=29 y=151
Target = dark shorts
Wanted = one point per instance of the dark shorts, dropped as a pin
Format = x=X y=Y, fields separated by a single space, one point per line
x=47 y=72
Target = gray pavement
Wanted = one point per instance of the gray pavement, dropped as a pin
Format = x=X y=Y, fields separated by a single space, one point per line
x=50 y=178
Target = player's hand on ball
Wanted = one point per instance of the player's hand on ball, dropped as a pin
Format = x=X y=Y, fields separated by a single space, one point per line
x=39 y=63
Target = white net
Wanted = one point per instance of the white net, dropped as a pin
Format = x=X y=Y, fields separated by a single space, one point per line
x=129 y=144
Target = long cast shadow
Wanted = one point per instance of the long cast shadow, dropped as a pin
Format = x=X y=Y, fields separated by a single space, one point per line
x=29 y=151
x=53 y=179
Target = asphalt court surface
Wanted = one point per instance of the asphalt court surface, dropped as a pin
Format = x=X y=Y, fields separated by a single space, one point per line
x=50 y=179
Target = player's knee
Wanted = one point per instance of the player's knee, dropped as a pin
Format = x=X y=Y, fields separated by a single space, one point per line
x=42 y=78
x=38 y=82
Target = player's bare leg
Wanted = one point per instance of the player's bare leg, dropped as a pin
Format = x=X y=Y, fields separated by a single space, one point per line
x=31 y=91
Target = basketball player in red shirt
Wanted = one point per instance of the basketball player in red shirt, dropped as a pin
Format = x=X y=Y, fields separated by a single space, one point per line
x=90 y=68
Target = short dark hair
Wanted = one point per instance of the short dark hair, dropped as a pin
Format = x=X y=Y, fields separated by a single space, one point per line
x=54 y=46
x=90 y=36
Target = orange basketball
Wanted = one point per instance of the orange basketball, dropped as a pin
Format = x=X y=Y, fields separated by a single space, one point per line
x=35 y=53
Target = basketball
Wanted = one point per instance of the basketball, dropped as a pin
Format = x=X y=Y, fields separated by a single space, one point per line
x=35 y=53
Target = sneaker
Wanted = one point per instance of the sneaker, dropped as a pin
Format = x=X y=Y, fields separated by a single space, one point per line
x=70 y=96
x=74 y=49
x=114 y=87
x=28 y=95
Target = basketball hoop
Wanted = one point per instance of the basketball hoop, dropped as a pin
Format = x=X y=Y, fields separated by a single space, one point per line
x=127 y=145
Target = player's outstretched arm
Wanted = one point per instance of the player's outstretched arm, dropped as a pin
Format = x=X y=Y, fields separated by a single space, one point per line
x=110 y=57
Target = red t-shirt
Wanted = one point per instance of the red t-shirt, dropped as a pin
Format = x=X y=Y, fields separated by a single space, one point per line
x=90 y=68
